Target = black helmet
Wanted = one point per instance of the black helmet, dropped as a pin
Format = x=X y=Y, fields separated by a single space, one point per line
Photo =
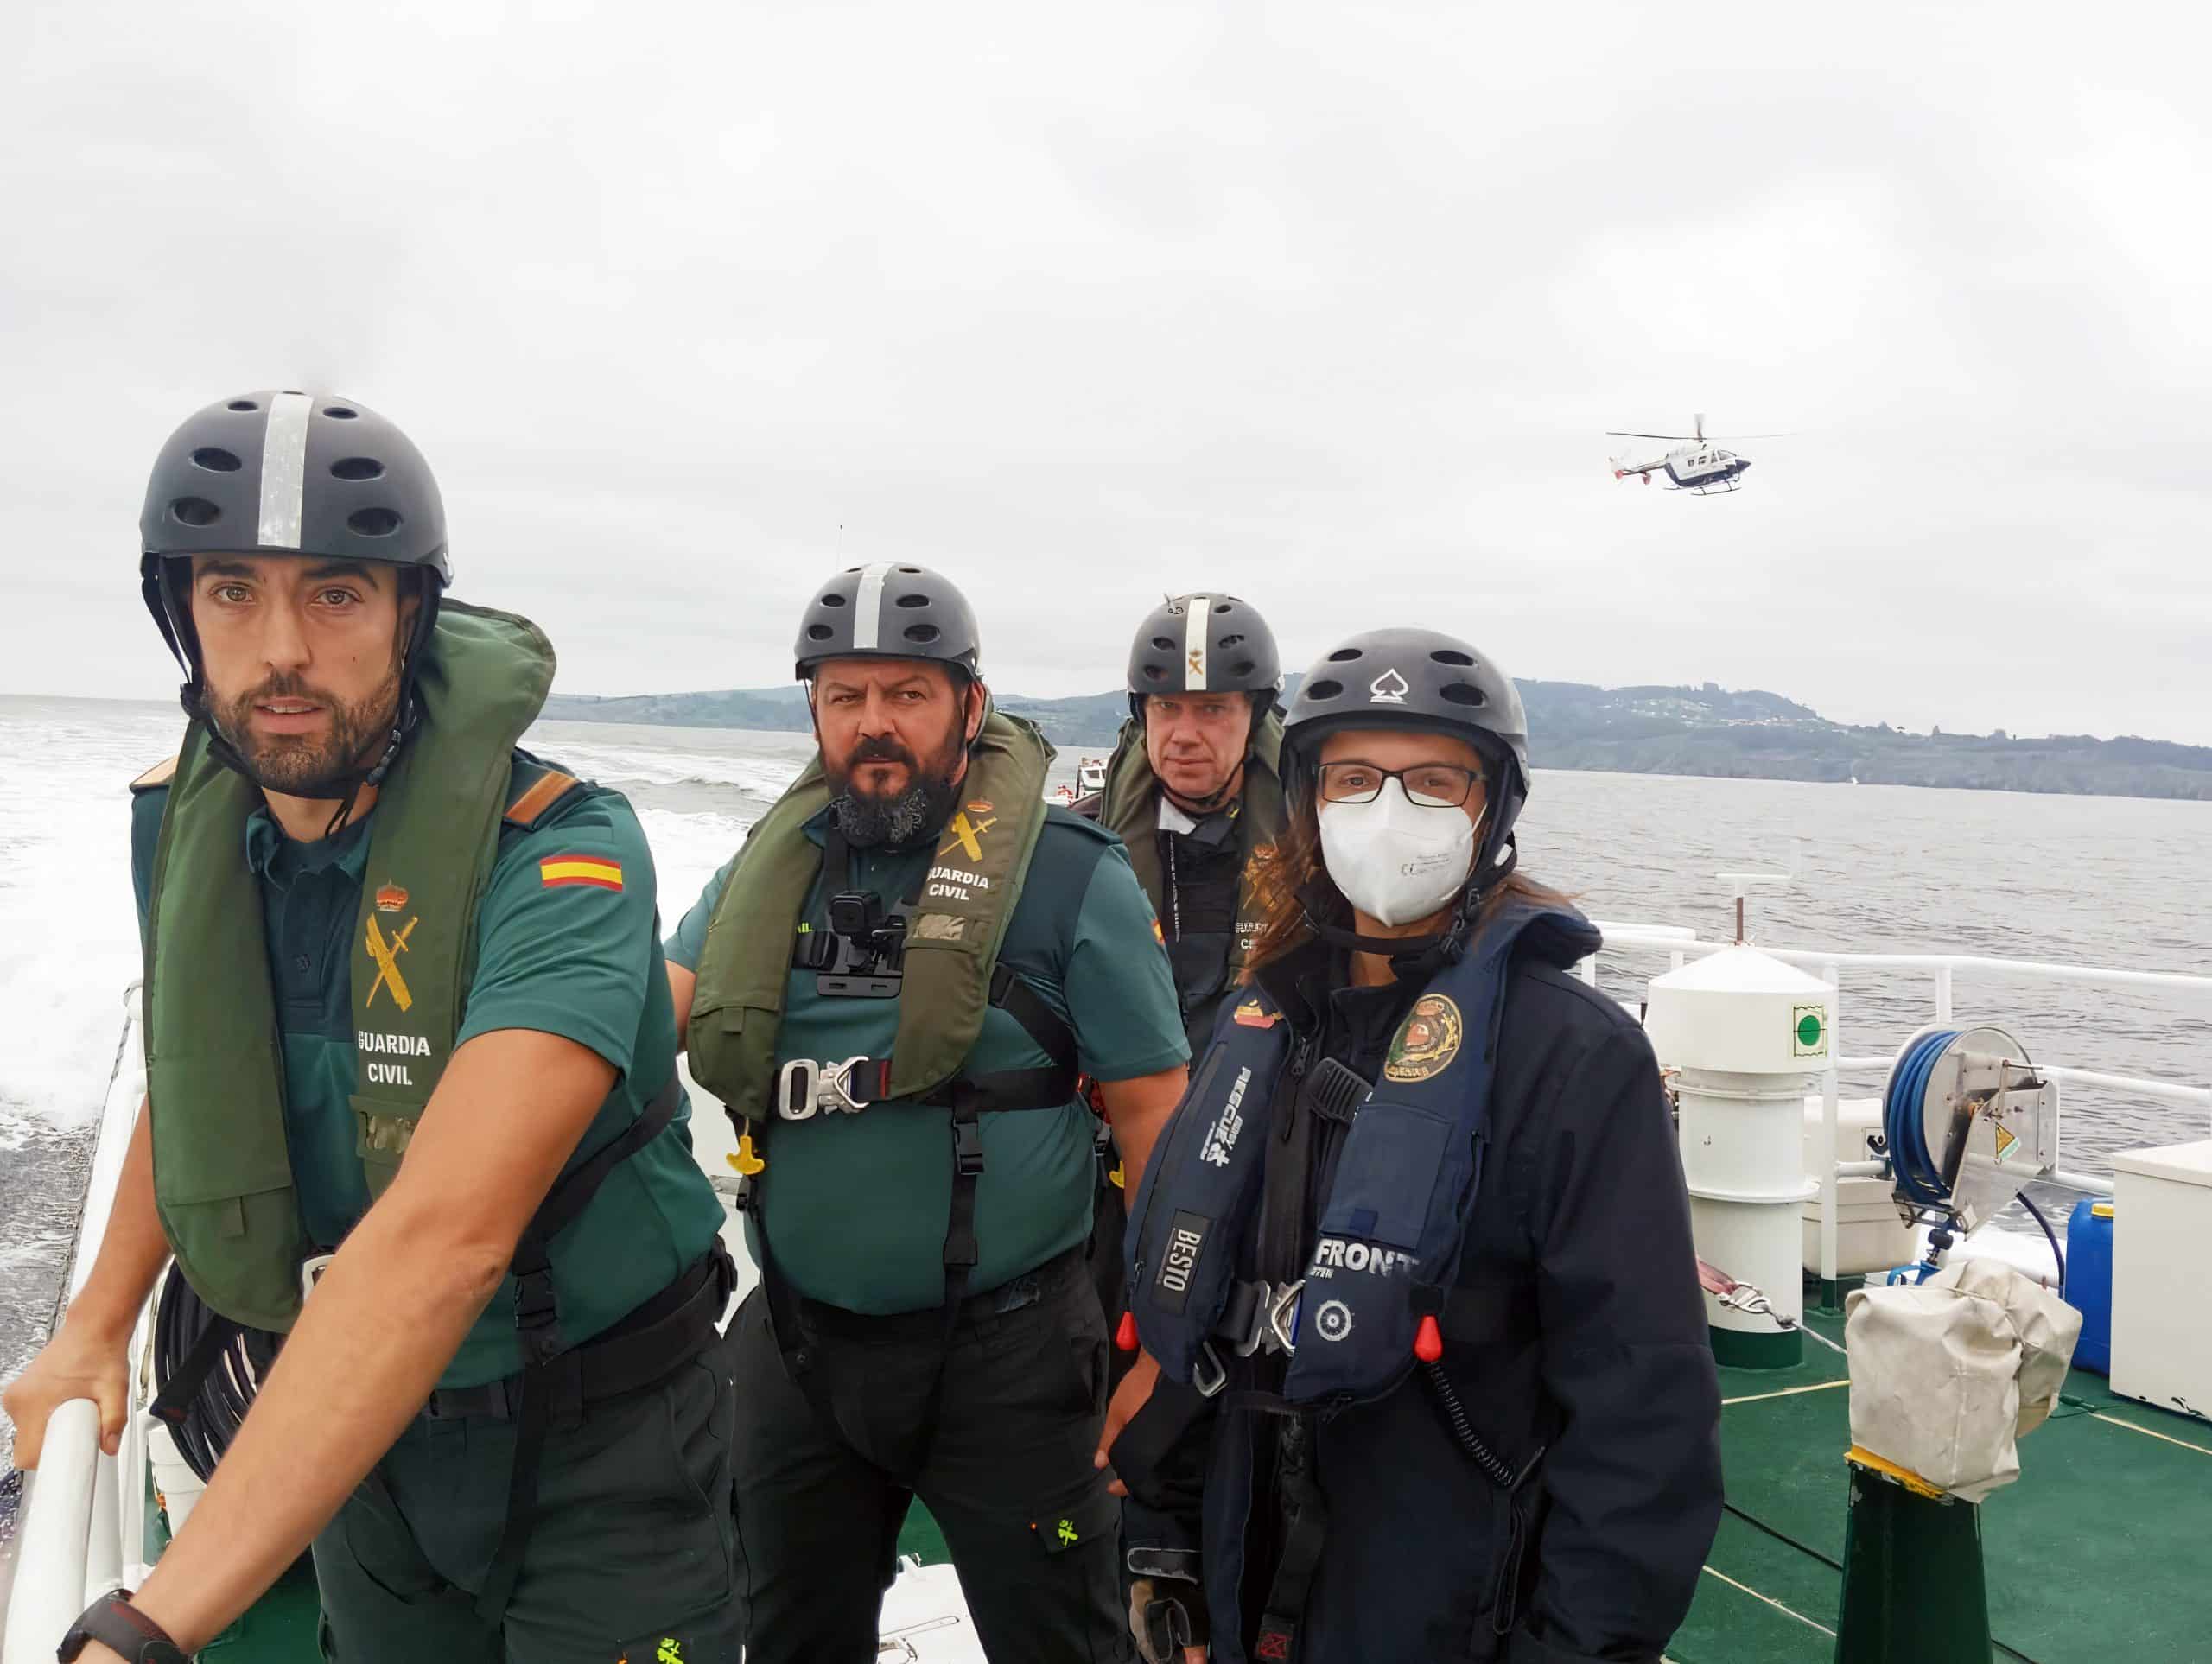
x=1203 y=643
x=294 y=474
x=286 y=473
x=290 y=472
x=889 y=611
x=1414 y=678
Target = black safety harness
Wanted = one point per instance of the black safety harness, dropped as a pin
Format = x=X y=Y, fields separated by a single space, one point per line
x=803 y=1087
x=556 y=1380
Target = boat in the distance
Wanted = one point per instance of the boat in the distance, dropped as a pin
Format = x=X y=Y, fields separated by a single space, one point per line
x=1089 y=779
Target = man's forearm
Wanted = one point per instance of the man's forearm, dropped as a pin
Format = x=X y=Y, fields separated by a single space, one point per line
x=1140 y=1110
x=133 y=1249
x=386 y=1320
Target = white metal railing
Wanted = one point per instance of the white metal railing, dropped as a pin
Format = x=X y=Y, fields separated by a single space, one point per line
x=1681 y=944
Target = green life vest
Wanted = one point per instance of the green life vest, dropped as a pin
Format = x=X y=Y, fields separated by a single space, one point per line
x=952 y=938
x=1130 y=808
x=215 y=1076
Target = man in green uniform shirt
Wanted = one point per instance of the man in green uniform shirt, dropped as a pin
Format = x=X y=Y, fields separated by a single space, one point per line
x=499 y=1415
x=897 y=987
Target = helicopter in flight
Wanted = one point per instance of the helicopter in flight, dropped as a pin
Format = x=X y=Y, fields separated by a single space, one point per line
x=1697 y=462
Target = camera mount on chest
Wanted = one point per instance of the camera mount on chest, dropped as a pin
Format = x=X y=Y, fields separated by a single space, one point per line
x=863 y=955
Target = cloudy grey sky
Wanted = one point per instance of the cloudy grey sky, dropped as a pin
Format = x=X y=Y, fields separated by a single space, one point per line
x=1326 y=305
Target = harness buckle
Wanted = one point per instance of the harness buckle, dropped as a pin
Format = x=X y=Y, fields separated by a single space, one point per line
x=836 y=1087
x=1283 y=1319
x=804 y=1087
x=1207 y=1374
x=968 y=1148
x=798 y=1087
x=1253 y=1331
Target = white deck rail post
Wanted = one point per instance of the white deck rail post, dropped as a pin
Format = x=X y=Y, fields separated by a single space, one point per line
x=1830 y=1094
x=56 y=1537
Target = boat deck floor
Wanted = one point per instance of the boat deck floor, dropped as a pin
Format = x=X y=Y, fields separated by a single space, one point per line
x=2102 y=1549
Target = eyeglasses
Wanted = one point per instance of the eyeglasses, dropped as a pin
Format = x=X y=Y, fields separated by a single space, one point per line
x=1433 y=785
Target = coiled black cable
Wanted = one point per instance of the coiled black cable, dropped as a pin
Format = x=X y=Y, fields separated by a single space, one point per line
x=210 y=1416
x=1463 y=1430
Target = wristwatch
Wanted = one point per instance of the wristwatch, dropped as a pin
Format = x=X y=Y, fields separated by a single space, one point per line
x=115 y=1623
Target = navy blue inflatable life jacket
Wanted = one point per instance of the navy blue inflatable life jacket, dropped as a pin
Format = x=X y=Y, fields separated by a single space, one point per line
x=1391 y=1229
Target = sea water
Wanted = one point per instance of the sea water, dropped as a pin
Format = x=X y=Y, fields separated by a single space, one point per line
x=2101 y=880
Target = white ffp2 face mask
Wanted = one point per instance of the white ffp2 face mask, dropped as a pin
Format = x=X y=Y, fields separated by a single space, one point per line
x=1395 y=860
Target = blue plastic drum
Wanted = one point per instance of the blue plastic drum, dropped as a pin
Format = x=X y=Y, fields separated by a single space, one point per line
x=2089 y=1281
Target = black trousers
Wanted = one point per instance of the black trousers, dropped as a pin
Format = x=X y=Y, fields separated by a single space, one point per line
x=824 y=1476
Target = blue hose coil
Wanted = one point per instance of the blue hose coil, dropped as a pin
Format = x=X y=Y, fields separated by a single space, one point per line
x=1904 y=1125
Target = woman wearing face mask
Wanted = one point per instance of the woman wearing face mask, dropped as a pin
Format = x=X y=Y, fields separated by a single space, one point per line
x=1413 y=1258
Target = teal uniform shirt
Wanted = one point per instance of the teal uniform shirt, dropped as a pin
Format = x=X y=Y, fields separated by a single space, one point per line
x=580 y=960
x=856 y=1204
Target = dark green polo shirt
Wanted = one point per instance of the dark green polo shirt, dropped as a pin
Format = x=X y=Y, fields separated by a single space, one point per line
x=856 y=1205
x=581 y=961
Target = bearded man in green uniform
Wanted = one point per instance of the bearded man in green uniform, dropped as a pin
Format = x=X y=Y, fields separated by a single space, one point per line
x=898 y=988
x=412 y=1102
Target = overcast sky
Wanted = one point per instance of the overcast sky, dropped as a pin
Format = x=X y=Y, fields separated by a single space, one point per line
x=1327 y=306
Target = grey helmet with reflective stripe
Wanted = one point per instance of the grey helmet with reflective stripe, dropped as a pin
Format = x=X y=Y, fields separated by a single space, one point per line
x=889 y=610
x=290 y=472
x=1203 y=643
x=1414 y=678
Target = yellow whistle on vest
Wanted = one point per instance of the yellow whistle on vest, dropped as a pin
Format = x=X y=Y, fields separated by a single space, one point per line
x=745 y=1160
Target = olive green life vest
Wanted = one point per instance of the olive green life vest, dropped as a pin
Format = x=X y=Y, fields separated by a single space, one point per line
x=214 y=1060
x=1130 y=808
x=952 y=938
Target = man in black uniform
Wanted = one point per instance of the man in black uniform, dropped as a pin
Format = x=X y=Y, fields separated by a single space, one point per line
x=1192 y=787
x=1192 y=792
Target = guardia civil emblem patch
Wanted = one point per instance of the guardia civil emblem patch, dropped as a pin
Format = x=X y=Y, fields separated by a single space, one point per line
x=1427 y=1041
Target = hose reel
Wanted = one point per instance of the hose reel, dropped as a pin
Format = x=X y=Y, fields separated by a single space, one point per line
x=1970 y=1124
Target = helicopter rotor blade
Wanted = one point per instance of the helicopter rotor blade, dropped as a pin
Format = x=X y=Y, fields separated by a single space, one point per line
x=1698 y=421
x=1618 y=433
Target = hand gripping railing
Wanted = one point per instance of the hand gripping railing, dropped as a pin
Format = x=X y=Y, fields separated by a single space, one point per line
x=69 y=1545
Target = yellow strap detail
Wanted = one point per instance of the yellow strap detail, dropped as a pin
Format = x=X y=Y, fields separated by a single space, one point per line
x=526 y=809
x=1905 y=1477
x=159 y=775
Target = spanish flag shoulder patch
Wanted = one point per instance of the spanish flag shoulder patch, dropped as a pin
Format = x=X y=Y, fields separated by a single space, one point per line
x=599 y=871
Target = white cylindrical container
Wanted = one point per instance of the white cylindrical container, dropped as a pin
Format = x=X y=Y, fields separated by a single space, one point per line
x=1747 y=1036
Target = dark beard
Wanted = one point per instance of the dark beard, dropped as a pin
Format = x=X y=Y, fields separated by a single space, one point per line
x=867 y=819
x=294 y=765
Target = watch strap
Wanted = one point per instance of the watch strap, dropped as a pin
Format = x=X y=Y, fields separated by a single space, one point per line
x=116 y=1624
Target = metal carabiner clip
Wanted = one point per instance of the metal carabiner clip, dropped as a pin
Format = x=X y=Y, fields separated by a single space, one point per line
x=1207 y=1374
x=1283 y=1319
x=311 y=1270
x=837 y=1088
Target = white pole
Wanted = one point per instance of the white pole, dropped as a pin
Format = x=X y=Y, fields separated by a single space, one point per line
x=1943 y=994
x=55 y=1532
x=1829 y=1203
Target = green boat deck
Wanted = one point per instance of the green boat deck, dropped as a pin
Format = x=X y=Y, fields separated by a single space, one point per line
x=2101 y=1550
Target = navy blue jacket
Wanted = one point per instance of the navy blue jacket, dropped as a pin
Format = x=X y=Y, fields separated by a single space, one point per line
x=1581 y=1217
